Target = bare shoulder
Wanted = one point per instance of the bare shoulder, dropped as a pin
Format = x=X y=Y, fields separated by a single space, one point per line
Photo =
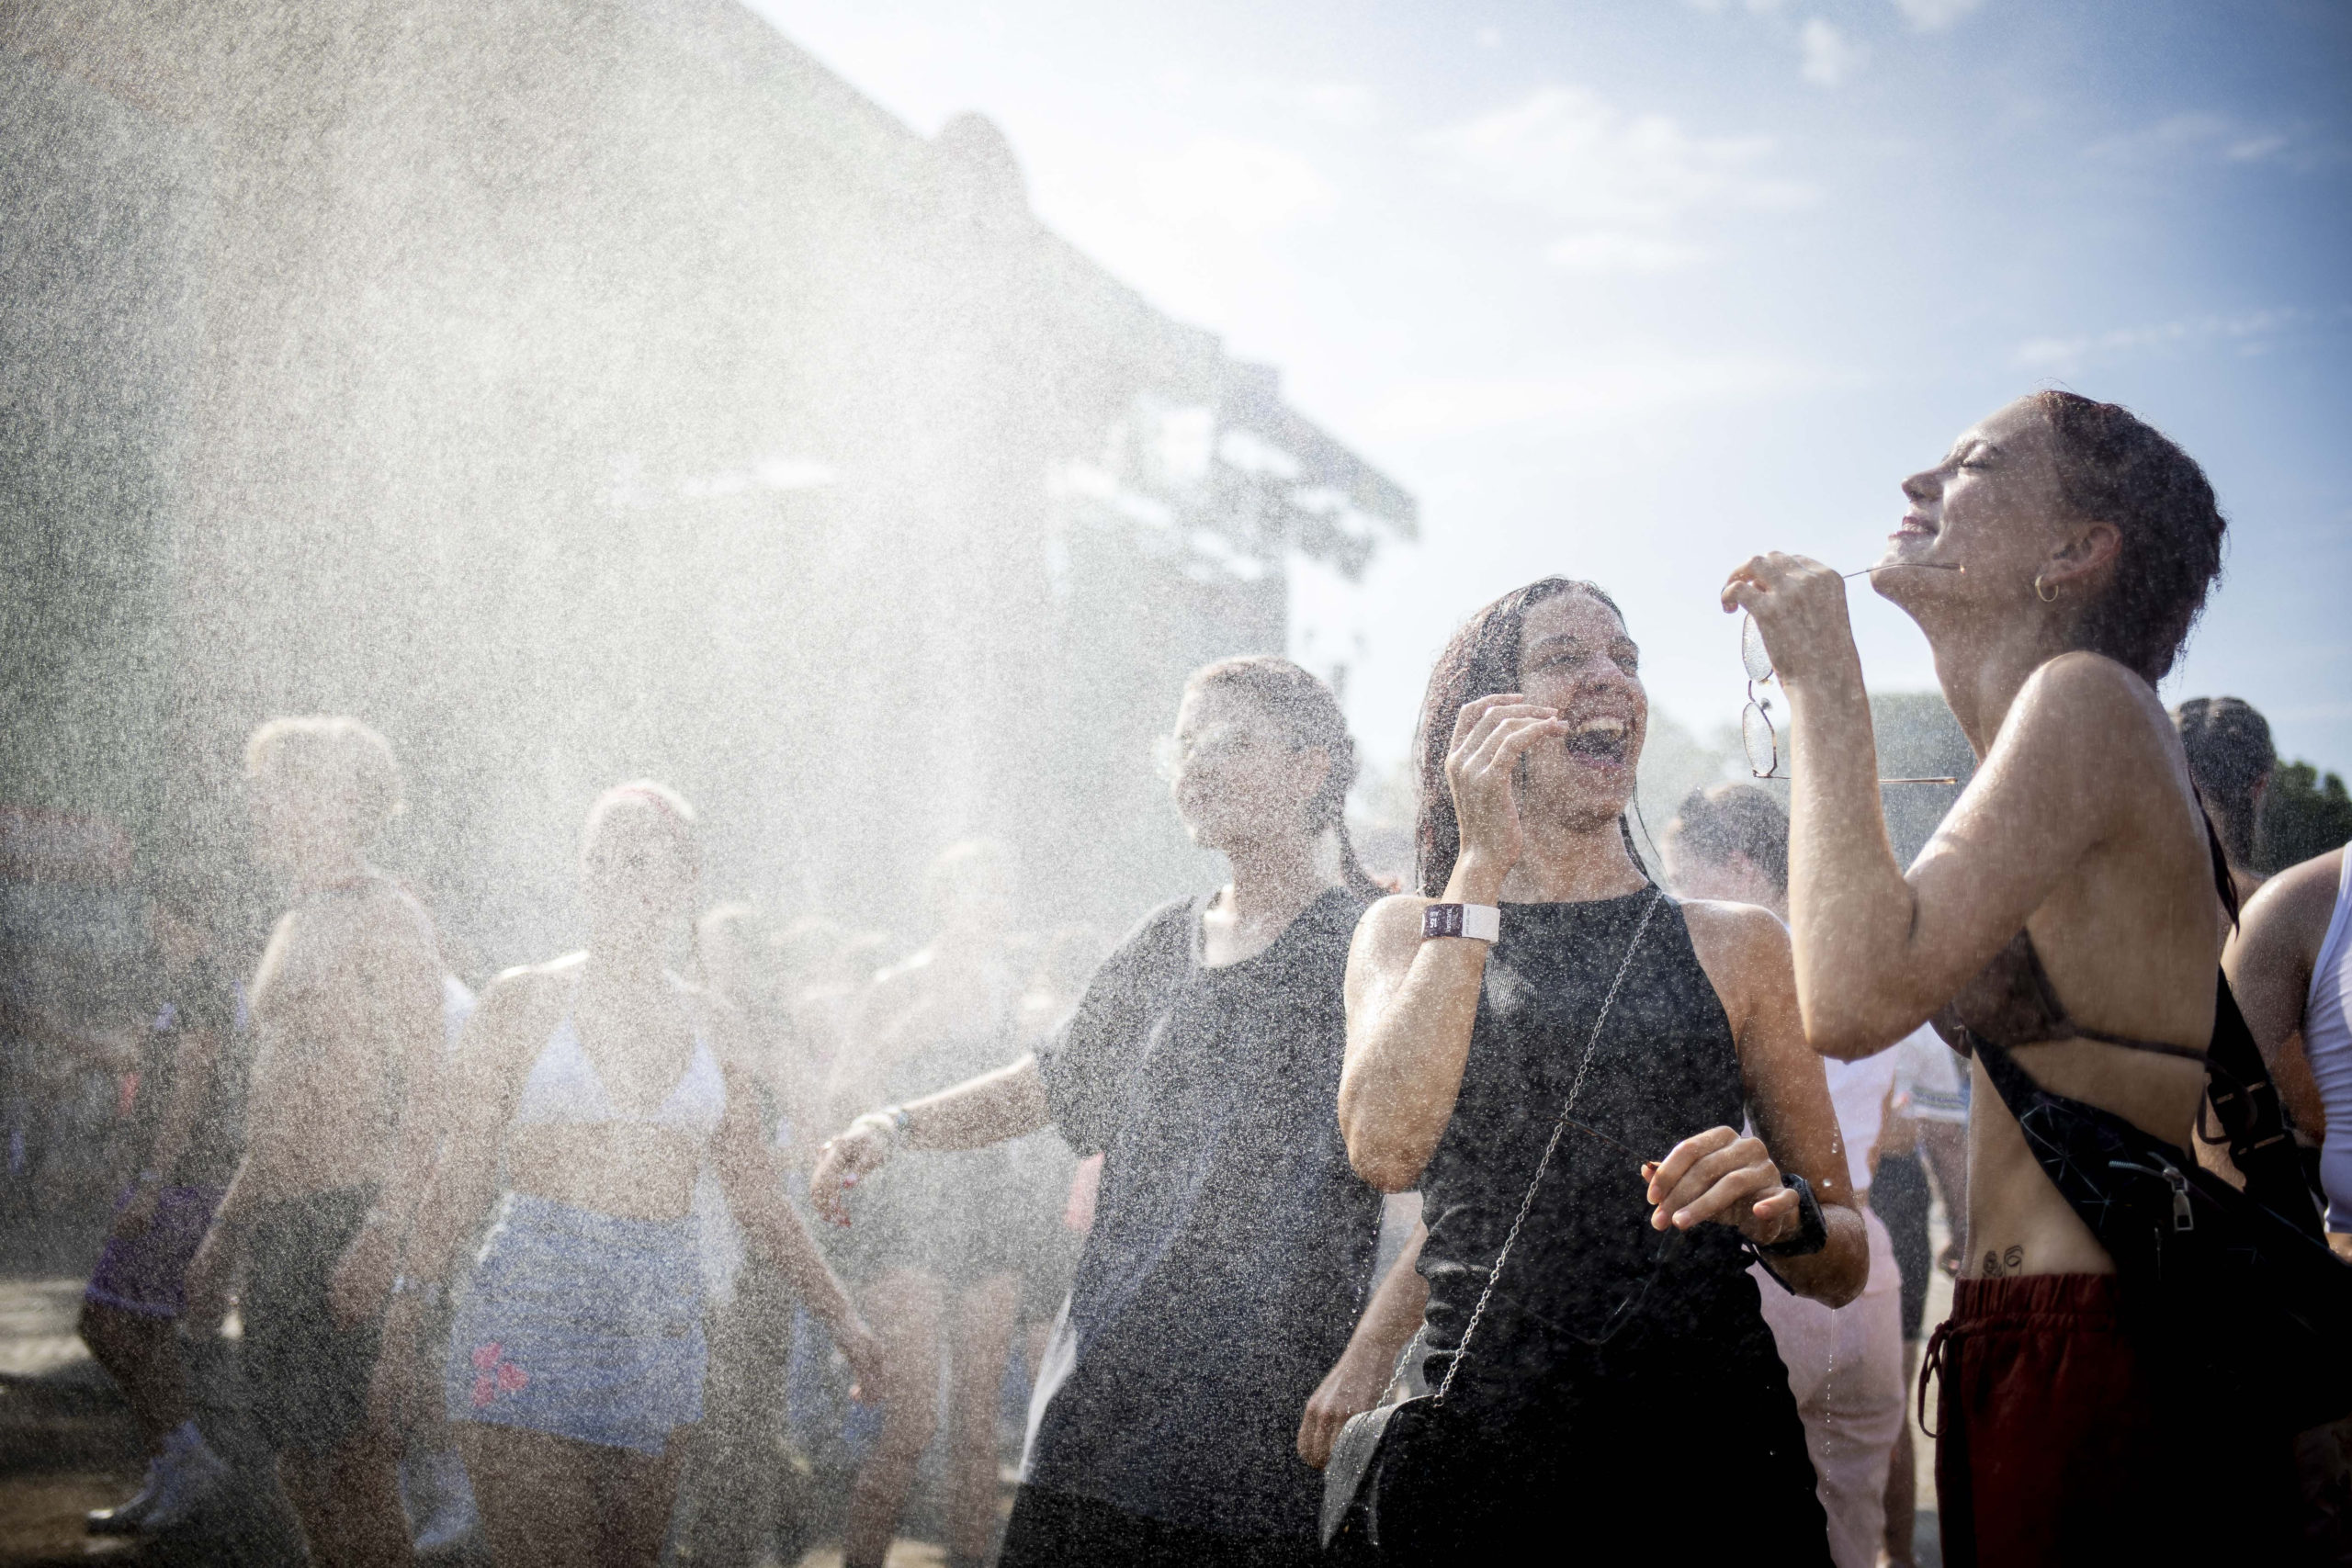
x=2088 y=706
x=1743 y=950
x=2290 y=913
x=1734 y=937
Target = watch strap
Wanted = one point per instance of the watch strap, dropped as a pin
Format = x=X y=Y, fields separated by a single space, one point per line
x=1813 y=1229
x=1479 y=923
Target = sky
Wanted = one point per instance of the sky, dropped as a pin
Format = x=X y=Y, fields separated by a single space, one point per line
x=1632 y=291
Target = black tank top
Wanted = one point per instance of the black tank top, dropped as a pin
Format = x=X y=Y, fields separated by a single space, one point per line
x=1587 y=1271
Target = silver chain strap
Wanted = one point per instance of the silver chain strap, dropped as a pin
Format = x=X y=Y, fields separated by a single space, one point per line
x=1526 y=1203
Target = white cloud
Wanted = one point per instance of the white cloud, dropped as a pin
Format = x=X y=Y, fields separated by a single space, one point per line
x=1346 y=103
x=1831 y=57
x=2252 y=332
x=1623 y=183
x=2197 y=136
x=1242 y=186
x=1605 y=251
x=1489 y=38
x=1601 y=392
x=1930 y=14
x=1570 y=152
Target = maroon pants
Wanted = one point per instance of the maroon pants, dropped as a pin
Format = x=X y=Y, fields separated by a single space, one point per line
x=2062 y=1443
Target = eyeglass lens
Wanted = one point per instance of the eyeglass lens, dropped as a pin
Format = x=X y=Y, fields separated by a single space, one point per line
x=1763 y=746
x=1752 y=652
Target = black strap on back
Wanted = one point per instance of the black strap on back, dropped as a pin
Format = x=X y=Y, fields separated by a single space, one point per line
x=2247 y=1104
x=2245 y=1099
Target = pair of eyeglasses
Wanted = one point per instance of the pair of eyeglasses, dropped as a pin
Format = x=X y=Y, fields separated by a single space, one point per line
x=1757 y=736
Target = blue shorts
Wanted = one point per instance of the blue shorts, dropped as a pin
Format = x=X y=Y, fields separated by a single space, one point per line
x=582 y=1326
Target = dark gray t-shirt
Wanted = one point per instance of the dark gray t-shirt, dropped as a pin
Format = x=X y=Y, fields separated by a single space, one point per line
x=1232 y=1244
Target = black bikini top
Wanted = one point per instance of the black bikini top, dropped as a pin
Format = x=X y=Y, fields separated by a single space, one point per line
x=2012 y=1003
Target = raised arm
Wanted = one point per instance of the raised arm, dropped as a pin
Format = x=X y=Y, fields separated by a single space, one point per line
x=2268 y=961
x=1411 y=1002
x=1879 y=949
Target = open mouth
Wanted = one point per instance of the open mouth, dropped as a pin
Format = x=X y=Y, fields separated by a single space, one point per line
x=1914 y=527
x=1601 y=739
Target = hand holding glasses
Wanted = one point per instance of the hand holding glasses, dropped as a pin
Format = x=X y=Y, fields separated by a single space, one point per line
x=1755 y=733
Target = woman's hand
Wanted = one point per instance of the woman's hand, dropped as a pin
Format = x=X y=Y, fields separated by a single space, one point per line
x=860 y=1149
x=1800 y=608
x=1722 y=1177
x=1352 y=1386
x=862 y=1349
x=1490 y=735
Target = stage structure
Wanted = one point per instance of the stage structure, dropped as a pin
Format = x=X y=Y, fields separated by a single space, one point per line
x=593 y=388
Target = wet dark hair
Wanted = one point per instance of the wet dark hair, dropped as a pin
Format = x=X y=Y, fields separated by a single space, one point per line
x=2115 y=468
x=2230 y=753
x=1725 y=820
x=1306 y=707
x=1481 y=660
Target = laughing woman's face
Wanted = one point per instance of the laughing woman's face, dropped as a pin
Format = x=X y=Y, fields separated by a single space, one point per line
x=1573 y=656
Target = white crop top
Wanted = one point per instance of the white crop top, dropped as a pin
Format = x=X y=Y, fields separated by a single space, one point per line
x=565 y=1090
x=2327 y=1044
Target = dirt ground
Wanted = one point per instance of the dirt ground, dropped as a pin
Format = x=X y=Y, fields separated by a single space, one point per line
x=67 y=1446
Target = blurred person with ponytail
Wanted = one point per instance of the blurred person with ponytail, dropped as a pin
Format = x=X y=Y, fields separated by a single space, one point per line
x=341 y=1123
x=1562 y=1056
x=1231 y=1247
x=600 y=1084
x=2231 y=759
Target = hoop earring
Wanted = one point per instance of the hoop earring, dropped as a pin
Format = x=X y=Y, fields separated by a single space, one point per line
x=2049 y=598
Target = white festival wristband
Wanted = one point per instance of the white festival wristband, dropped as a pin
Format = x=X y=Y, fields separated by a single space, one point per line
x=1479 y=923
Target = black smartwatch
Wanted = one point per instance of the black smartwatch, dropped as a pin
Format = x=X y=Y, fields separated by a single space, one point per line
x=1813 y=1231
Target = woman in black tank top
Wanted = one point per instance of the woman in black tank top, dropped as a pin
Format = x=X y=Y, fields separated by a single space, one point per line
x=1620 y=1352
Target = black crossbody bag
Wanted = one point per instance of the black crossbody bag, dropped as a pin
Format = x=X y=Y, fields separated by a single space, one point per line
x=1386 y=1432
x=2236 y=1290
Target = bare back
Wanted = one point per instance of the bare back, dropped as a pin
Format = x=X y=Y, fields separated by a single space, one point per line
x=2126 y=930
x=347 y=995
